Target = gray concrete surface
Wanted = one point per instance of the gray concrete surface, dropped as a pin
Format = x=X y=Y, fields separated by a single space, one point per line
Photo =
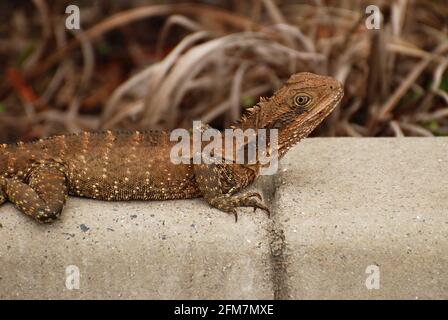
x=154 y=250
x=340 y=205
x=346 y=204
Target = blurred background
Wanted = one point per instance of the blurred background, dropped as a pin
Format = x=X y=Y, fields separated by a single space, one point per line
x=161 y=64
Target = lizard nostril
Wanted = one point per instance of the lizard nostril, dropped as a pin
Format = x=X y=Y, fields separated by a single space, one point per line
x=331 y=87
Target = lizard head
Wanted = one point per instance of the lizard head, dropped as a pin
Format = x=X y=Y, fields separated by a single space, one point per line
x=299 y=106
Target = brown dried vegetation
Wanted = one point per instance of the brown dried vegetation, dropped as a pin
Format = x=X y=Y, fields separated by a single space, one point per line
x=149 y=64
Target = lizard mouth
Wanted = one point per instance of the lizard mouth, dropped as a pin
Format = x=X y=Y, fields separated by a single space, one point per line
x=325 y=107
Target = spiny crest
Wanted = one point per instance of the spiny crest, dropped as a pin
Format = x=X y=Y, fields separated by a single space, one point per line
x=250 y=115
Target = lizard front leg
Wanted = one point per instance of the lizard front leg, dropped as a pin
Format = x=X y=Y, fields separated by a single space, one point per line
x=209 y=180
x=42 y=196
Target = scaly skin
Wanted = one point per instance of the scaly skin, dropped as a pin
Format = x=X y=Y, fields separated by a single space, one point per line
x=38 y=176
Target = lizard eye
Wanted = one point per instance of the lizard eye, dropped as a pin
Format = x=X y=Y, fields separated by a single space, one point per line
x=302 y=100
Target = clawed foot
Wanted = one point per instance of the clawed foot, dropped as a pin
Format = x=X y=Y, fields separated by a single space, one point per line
x=229 y=203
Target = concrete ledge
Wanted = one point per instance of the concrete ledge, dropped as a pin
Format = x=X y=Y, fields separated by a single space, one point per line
x=340 y=205
x=154 y=250
x=346 y=204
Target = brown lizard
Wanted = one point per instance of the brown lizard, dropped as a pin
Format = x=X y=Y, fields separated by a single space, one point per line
x=37 y=176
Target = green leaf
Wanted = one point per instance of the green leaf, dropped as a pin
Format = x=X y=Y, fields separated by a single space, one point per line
x=103 y=48
x=249 y=102
x=433 y=125
x=444 y=82
x=2 y=107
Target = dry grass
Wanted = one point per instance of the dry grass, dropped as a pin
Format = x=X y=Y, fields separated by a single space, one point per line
x=161 y=66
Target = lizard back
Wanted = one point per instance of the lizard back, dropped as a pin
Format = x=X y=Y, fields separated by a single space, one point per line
x=107 y=165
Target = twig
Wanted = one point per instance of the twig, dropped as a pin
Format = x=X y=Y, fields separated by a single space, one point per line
x=175 y=20
x=416 y=129
x=235 y=92
x=87 y=72
x=395 y=126
x=144 y=12
x=42 y=8
x=406 y=84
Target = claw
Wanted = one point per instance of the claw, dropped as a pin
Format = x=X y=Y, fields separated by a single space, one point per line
x=246 y=200
x=229 y=203
x=235 y=213
x=265 y=208
x=253 y=194
x=268 y=212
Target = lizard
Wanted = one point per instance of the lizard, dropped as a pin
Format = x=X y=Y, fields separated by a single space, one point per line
x=38 y=176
